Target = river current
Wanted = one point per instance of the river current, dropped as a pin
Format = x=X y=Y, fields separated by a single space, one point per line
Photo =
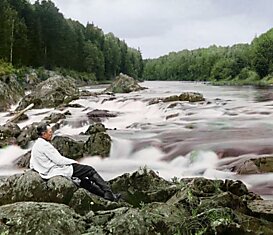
x=178 y=139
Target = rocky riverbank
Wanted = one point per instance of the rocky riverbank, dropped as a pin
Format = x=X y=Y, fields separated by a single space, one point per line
x=150 y=205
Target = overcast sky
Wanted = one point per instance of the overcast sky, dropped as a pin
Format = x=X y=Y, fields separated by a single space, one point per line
x=158 y=27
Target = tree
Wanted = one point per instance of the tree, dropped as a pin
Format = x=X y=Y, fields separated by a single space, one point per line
x=262 y=53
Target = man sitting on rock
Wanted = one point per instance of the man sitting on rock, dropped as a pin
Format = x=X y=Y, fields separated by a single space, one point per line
x=48 y=162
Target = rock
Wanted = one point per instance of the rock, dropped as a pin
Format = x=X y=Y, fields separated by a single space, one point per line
x=155 y=218
x=39 y=218
x=143 y=186
x=60 y=189
x=83 y=202
x=31 y=187
x=189 y=96
x=98 y=115
x=8 y=134
x=54 y=91
x=74 y=106
x=94 y=129
x=69 y=147
x=87 y=93
x=23 y=161
x=256 y=165
x=32 y=78
x=10 y=92
x=262 y=209
x=124 y=84
x=185 y=96
x=99 y=142
x=54 y=117
x=21 y=118
x=188 y=206
x=28 y=134
x=26 y=187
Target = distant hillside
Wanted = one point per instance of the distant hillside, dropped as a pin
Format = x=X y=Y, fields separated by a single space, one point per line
x=239 y=64
x=38 y=35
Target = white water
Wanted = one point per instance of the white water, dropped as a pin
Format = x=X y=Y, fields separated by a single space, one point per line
x=140 y=130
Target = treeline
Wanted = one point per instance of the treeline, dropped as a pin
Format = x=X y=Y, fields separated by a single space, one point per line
x=38 y=35
x=238 y=64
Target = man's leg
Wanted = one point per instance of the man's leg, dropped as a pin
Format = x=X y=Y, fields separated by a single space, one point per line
x=91 y=187
x=83 y=171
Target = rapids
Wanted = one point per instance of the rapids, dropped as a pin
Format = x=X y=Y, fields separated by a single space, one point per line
x=182 y=140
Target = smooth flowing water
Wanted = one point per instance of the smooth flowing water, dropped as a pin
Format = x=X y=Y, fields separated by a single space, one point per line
x=178 y=139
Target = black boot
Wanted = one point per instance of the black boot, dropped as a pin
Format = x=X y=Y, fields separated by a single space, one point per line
x=98 y=180
x=91 y=187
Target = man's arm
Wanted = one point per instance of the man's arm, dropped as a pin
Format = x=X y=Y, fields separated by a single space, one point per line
x=53 y=154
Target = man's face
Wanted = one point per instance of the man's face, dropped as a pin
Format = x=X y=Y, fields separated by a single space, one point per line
x=47 y=135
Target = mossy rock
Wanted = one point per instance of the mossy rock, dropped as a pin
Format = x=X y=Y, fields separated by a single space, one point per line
x=39 y=218
x=143 y=186
x=124 y=84
x=54 y=91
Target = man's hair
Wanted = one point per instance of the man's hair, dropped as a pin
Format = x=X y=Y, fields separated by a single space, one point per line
x=42 y=128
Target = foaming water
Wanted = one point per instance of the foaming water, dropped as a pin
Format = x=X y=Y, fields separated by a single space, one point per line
x=8 y=156
x=190 y=137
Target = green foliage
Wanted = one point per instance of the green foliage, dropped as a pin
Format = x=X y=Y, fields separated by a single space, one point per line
x=6 y=68
x=263 y=53
x=241 y=64
x=38 y=35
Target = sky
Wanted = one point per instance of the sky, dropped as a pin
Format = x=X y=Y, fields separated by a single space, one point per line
x=159 y=27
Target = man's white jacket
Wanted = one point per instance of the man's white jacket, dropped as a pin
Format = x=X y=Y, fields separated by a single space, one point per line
x=46 y=160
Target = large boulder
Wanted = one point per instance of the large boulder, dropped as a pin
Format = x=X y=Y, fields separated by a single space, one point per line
x=154 y=218
x=124 y=84
x=31 y=187
x=69 y=147
x=39 y=218
x=99 y=142
x=143 y=186
x=83 y=202
x=54 y=91
x=156 y=206
x=10 y=92
x=8 y=134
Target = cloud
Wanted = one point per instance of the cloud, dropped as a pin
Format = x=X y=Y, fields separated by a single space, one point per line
x=160 y=26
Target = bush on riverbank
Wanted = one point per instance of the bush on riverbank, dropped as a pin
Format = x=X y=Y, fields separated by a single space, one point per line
x=6 y=68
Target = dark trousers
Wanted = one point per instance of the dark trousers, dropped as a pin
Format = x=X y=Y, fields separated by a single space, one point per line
x=90 y=179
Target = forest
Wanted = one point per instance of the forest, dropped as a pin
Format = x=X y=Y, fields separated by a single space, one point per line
x=38 y=35
x=235 y=65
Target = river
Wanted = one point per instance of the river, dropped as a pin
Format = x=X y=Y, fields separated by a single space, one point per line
x=180 y=140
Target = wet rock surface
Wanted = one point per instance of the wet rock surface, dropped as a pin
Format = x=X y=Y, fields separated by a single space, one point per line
x=185 y=96
x=150 y=205
x=39 y=218
x=99 y=115
x=69 y=147
x=8 y=134
x=50 y=93
x=124 y=84
x=10 y=92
